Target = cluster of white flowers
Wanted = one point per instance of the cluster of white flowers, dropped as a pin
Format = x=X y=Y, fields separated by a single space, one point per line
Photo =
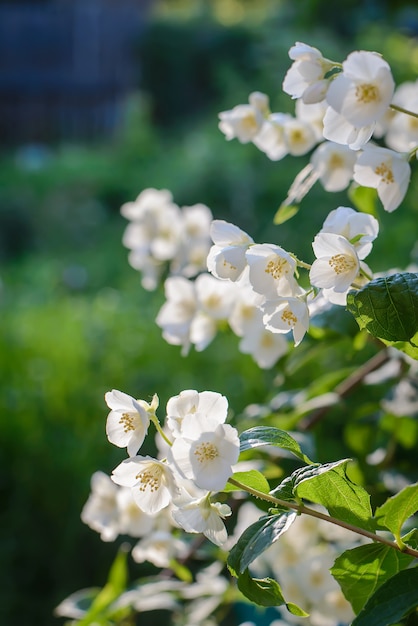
x=216 y=275
x=341 y=107
x=155 y=495
x=254 y=289
x=300 y=562
x=164 y=237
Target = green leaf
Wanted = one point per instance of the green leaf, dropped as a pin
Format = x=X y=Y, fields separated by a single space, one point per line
x=330 y=486
x=360 y=571
x=257 y=538
x=252 y=479
x=262 y=591
x=387 y=307
x=392 y=601
x=269 y=436
x=284 y=491
x=115 y=585
x=284 y=213
x=363 y=198
x=396 y=510
x=409 y=347
x=265 y=592
x=411 y=539
x=181 y=571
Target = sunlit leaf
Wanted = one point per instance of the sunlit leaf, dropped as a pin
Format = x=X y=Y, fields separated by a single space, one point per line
x=252 y=479
x=409 y=347
x=284 y=213
x=330 y=486
x=362 y=570
x=268 y=436
x=363 y=198
x=392 y=601
x=266 y=592
x=396 y=510
x=115 y=585
x=387 y=307
x=257 y=538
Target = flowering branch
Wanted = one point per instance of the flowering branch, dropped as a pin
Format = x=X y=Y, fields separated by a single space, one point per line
x=304 y=510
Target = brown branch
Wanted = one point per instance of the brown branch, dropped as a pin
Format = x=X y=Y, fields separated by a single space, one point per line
x=345 y=387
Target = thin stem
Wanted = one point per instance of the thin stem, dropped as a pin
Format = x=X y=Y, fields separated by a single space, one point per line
x=395 y=107
x=157 y=425
x=302 y=509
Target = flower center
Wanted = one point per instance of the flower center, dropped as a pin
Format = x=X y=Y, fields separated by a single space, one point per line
x=296 y=136
x=386 y=174
x=229 y=265
x=267 y=340
x=367 y=93
x=128 y=422
x=277 y=267
x=149 y=478
x=335 y=162
x=289 y=317
x=341 y=263
x=249 y=122
x=206 y=451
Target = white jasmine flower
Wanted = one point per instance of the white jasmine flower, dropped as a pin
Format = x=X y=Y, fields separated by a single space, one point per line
x=203 y=516
x=339 y=130
x=271 y=270
x=312 y=114
x=337 y=264
x=100 y=512
x=271 y=137
x=209 y=403
x=206 y=450
x=132 y=520
x=177 y=313
x=306 y=77
x=159 y=548
x=152 y=482
x=246 y=321
x=215 y=297
x=226 y=259
x=283 y=315
x=128 y=421
x=334 y=164
x=265 y=346
x=299 y=136
x=363 y=91
x=154 y=233
x=244 y=121
x=148 y=201
x=195 y=242
x=361 y=229
x=402 y=129
x=386 y=171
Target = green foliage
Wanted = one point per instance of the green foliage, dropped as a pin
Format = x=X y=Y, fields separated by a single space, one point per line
x=100 y=611
x=392 y=601
x=263 y=436
x=364 y=569
x=330 y=486
x=396 y=510
x=257 y=538
x=284 y=213
x=252 y=479
x=388 y=307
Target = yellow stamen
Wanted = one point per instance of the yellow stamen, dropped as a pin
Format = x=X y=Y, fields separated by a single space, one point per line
x=206 y=451
x=341 y=263
x=367 y=93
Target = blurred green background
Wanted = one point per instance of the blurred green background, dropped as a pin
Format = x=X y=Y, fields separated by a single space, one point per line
x=75 y=321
